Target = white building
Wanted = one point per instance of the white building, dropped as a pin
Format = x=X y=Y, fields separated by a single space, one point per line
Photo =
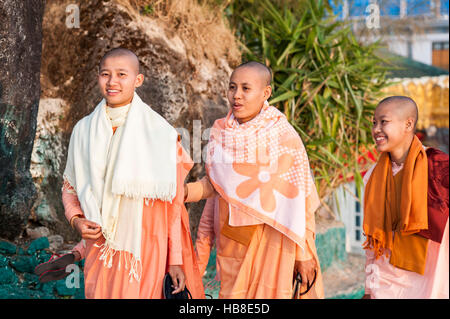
x=415 y=29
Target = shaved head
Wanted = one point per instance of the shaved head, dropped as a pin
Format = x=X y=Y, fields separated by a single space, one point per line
x=249 y=88
x=263 y=70
x=404 y=106
x=122 y=52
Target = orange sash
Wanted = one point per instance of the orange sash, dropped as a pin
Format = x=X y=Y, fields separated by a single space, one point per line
x=241 y=234
x=403 y=211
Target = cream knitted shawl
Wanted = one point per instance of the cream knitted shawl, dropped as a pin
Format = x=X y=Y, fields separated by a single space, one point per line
x=112 y=174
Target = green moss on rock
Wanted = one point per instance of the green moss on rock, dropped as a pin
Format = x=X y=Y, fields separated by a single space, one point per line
x=38 y=244
x=7 y=248
x=23 y=263
x=7 y=276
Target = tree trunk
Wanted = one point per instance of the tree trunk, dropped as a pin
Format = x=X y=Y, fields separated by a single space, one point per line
x=20 y=60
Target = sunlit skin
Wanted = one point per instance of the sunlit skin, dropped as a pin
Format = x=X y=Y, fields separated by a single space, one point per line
x=393 y=129
x=118 y=78
x=247 y=92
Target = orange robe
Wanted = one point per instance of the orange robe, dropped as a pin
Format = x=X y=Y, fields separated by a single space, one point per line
x=166 y=240
x=262 y=270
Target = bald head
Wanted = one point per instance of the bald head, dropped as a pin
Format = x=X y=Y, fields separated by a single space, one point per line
x=122 y=52
x=263 y=70
x=404 y=106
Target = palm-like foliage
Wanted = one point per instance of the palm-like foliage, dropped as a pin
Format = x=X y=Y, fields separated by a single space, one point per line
x=324 y=81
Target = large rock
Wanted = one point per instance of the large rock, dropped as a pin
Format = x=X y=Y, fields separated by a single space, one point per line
x=17 y=278
x=20 y=60
x=186 y=79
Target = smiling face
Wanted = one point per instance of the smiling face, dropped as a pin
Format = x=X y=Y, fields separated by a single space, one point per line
x=247 y=92
x=118 y=78
x=392 y=129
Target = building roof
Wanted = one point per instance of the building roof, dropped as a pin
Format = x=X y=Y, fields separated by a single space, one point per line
x=402 y=67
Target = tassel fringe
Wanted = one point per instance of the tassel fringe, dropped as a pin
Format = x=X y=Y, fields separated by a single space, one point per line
x=376 y=245
x=154 y=191
x=131 y=261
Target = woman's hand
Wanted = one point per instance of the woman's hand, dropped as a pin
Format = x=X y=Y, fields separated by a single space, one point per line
x=307 y=270
x=87 y=229
x=178 y=278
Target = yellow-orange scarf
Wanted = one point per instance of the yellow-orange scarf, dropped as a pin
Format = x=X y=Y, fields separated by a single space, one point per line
x=382 y=216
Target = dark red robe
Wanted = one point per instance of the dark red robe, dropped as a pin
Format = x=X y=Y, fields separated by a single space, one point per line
x=438 y=194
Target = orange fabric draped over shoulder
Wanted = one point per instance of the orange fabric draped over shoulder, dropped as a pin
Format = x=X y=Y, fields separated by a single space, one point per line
x=403 y=211
x=166 y=241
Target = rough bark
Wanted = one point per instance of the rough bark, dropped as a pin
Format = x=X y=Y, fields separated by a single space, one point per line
x=20 y=60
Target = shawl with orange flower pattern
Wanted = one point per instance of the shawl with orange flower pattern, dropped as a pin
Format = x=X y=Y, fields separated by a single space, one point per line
x=261 y=168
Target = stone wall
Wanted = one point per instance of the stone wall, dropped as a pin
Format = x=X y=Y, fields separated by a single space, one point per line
x=20 y=60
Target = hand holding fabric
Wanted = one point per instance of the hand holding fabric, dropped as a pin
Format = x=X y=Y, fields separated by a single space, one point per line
x=87 y=229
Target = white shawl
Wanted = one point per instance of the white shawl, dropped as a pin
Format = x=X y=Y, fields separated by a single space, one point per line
x=113 y=173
